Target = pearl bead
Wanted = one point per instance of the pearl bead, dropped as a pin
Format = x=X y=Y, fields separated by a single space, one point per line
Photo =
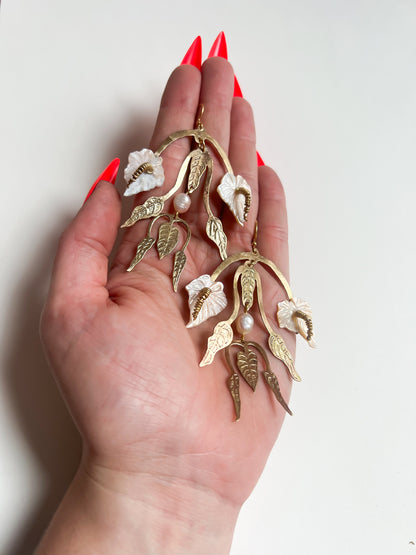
x=182 y=202
x=245 y=323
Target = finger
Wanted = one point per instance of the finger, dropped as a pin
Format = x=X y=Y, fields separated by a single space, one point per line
x=80 y=270
x=177 y=112
x=242 y=154
x=272 y=219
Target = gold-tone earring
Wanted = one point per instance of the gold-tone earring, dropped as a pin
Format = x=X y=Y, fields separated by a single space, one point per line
x=206 y=294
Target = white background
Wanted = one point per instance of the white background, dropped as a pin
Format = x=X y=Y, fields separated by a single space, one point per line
x=332 y=84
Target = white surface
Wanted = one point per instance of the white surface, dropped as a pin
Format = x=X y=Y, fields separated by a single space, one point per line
x=332 y=84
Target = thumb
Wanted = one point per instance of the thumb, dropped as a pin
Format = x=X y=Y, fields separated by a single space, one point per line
x=81 y=264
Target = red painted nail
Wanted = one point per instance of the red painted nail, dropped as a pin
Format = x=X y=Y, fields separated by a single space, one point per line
x=260 y=160
x=109 y=174
x=237 y=89
x=194 y=55
x=219 y=48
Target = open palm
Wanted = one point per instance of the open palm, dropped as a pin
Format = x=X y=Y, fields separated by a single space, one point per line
x=125 y=362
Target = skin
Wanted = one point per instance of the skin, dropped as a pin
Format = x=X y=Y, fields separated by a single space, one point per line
x=165 y=468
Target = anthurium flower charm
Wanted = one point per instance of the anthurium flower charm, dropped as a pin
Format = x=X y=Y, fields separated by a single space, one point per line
x=236 y=192
x=296 y=315
x=206 y=299
x=143 y=172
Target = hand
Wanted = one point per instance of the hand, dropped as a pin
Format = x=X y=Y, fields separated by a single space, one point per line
x=158 y=432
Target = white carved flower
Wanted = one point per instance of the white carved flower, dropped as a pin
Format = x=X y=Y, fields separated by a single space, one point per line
x=230 y=191
x=145 y=181
x=206 y=297
x=285 y=317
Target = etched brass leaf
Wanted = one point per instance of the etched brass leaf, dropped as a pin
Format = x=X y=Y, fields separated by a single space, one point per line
x=247 y=364
x=198 y=165
x=153 y=206
x=142 y=248
x=273 y=383
x=221 y=338
x=167 y=240
x=248 y=284
x=215 y=233
x=233 y=384
x=178 y=266
x=280 y=351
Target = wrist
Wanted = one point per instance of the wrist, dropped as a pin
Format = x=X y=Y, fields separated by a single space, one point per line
x=107 y=511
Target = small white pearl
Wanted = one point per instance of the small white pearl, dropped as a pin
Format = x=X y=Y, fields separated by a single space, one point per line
x=182 y=202
x=245 y=323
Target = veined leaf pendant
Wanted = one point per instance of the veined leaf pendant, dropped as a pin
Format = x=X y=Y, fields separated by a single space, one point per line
x=215 y=233
x=233 y=384
x=247 y=364
x=152 y=207
x=167 y=240
x=198 y=165
x=145 y=245
x=178 y=266
x=280 y=351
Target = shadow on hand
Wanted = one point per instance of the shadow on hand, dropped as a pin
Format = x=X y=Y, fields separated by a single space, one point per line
x=40 y=412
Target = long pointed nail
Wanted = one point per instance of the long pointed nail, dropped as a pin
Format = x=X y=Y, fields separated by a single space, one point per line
x=194 y=55
x=259 y=160
x=237 y=89
x=109 y=174
x=219 y=48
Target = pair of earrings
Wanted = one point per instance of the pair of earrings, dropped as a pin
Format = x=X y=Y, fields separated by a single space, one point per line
x=144 y=172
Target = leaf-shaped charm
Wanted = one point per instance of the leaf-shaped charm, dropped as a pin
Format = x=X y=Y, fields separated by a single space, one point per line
x=273 y=383
x=153 y=206
x=221 y=338
x=167 y=240
x=178 y=266
x=142 y=248
x=247 y=364
x=198 y=165
x=215 y=233
x=233 y=384
x=248 y=284
x=280 y=351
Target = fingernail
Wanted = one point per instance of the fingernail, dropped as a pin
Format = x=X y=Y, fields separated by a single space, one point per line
x=109 y=174
x=219 y=48
x=194 y=55
x=237 y=89
x=260 y=160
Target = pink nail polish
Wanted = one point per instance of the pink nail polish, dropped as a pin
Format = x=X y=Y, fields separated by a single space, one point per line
x=219 y=47
x=193 y=56
x=109 y=174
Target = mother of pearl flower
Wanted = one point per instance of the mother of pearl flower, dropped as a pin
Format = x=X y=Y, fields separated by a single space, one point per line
x=285 y=317
x=230 y=191
x=214 y=302
x=145 y=181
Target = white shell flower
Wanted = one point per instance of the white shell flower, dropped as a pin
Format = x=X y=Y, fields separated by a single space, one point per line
x=286 y=320
x=145 y=181
x=230 y=191
x=207 y=305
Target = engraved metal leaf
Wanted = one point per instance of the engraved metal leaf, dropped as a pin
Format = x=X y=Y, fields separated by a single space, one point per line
x=221 y=338
x=198 y=165
x=247 y=364
x=273 y=383
x=233 y=384
x=178 y=266
x=215 y=233
x=167 y=240
x=142 y=248
x=248 y=284
x=153 y=206
x=280 y=351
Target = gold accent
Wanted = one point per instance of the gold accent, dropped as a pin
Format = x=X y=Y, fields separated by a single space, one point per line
x=308 y=322
x=280 y=351
x=221 y=338
x=247 y=202
x=145 y=245
x=143 y=168
x=254 y=239
x=178 y=266
x=197 y=167
x=247 y=364
x=273 y=383
x=201 y=298
x=152 y=207
x=233 y=384
x=168 y=239
x=216 y=233
x=248 y=284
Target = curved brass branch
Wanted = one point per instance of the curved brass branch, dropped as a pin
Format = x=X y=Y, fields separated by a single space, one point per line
x=308 y=321
x=261 y=305
x=236 y=296
x=188 y=231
